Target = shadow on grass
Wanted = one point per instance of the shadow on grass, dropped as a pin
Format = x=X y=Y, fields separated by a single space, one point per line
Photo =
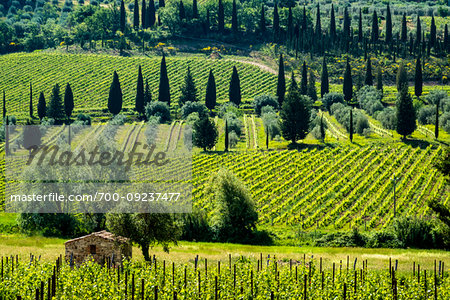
x=422 y=144
x=302 y=146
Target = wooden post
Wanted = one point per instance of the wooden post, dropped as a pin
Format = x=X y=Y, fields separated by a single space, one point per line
x=251 y=283
x=42 y=290
x=173 y=274
x=185 y=276
x=164 y=273
x=126 y=284
x=215 y=289
x=132 y=286
x=174 y=295
x=199 y=284
x=348 y=261
x=356 y=278
x=414 y=268
x=304 y=287
x=142 y=289
x=229 y=260
x=234 y=277
x=418 y=274
x=37 y=294
x=218 y=267
x=156 y=292
x=296 y=273
x=333 y=273
x=48 y=288
x=206 y=268
x=390 y=267
x=345 y=290
x=272 y=296
x=320 y=264
x=322 y=278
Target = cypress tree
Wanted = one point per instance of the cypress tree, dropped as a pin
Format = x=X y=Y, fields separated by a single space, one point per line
x=446 y=40
x=295 y=115
x=164 y=88
x=281 y=84
x=123 y=17
x=379 y=79
x=304 y=80
x=188 y=90
x=369 y=78
x=318 y=23
x=68 y=101
x=290 y=25
x=276 y=23
x=42 y=106
x=293 y=86
x=205 y=133
x=221 y=17
x=226 y=134
x=143 y=14
x=324 y=81
x=194 y=9
x=347 y=24
x=139 y=103
x=322 y=129
x=262 y=21
x=374 y=27
x=4 y=105
x=115 y=96
x=332 y=24
x=267 y=137
x=151 y=14
x=436 y=124
x=406 y=114
x=418 y=80
x=432 y=32
x=402 y=78
x=312 y=93
x=31 y=101
x=55 y=108
x=360 y=27
x=388 y=24
x=418 y=31
x=234 y=18
x=211 y=95
x=351 y=126
x=136 y=14
x=162 y=3
x=181 y=10
x=404 y=34
x=207 y=22
x=235 y=88
x=304 y=22
x=147 y=94
x=348 y=83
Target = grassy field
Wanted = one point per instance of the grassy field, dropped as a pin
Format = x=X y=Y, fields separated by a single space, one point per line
x=50 y=248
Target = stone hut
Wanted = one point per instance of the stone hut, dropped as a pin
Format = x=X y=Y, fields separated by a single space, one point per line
x=101 y=246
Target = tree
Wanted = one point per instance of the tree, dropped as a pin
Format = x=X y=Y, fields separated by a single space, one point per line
x=332 y=24
x=360 y=27
x=293 y=86
x=318 y=23
x=68 y=101
x=164 y=88
x=262 y=21
x=205 y=133
x=446 y=39
x=123 y=17
x=388 y=24
x=351 y=126
x=226 y=134
x=295 y=115
x=145 y=229
x=4 y=105
x=347 y=24
x=115 y=96
x=312 y=93
x=322 y=129
x=374 y=27
x=31 y=101
x=304 y=80
x=211 y=94
x=432 y=32
x=276 y=23
x=379 y=79
x=436 y=123
x=406 y=114
x=188 y=89
x=290 y=25
x=151 y=14
x=235 y=88
x=139 y=103
x=143 y=14
x=418 y=31
x=147 y=94
x=234 y=18
x=55 y=107
x=221 y=17
x=404 y=33
x=348 y=83
x=182 y=11
x=136 y=14
x=369 y=78
x=324 y=81
x=234 y=214
x=41 y=108
x=194 y=9
x=281 y=83
x=162 y=3
x=418 y=80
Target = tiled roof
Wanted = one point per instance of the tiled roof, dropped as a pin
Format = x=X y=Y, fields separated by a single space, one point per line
x=104 y=235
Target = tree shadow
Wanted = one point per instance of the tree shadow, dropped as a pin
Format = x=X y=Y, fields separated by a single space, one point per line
x=301 y=146
x=422 y=144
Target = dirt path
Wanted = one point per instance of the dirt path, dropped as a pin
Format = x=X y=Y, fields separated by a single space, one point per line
x=257 y=64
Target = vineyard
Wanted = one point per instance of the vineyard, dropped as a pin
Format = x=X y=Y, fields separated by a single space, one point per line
x=263 y=277
x=91 y=75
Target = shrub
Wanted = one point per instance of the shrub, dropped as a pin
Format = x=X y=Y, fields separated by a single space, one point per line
x=118 y=120
x=427 y=115
x=84 y=119
x=229 y=107
x=233 y=139
x=271 y=121
x=388 y=118
x=329 y=99
x=157 y=108
x=445 y=121
x=264 y=100
x=192 y=118
x=414 y=232
x=191 y=107
x=370 y=99
x=383 y=239
x=342 y=114
x=233 y=123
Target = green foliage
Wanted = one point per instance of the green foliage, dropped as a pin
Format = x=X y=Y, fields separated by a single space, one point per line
x=418 y=80
x=264 y=100
x=164 y=88
x=51 y=225
x=406 y=114
x=158 y=109
x=235 y=88
x=234 y=215
x=211 y=93
x=342 y=114
x=331 y=98
x=68 y=101
x=271 y=121
x=234 y=123
x=140 y=98
x=205 y=134
x=191 y=107
x=312 y=93
x=369 y=99
x=295 y=116
x=188 y=89
x=324 y=81
x=42 y=106
x=115 y=96
x=55 y=109
x=348 y=83
x=369 y=78
x=281 y=84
